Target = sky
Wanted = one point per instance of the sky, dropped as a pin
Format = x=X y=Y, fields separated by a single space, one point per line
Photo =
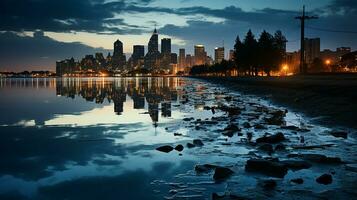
x=36 y=33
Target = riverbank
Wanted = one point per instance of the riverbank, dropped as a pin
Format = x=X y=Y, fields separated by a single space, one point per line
x=328 y=99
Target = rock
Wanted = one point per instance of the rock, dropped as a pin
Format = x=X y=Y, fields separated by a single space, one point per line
x=269 y=184
x=232 y=111
x=297 y=180
x=318 y=158
x=232 y=127
x=277 y=118
x=341 y=134
x=279 y=137
x=259 y=126
x=204 y=168
x=228 y=133
x=188 y=119
x=179 y=147
x=190 y=145
x=266 y=147
x=267 y=167
x=177 y=134
x=324 y=179
x=293 y=128
x=296 y=164
x=280 y=147
x=197 y=142
x=222 y=173
x=165 y=148
x=246 y=125
x=213 y=111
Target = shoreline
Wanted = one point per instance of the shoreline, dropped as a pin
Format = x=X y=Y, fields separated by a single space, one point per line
x=328 y=99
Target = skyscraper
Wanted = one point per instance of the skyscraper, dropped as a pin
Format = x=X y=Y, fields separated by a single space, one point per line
x=151 y=58
x=138 y=52
x=200 y=55
x=218 y=54
x=166 y=46
x=119 y=58
x=182 y=58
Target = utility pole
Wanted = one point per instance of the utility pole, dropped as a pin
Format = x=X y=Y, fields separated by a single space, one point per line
x=303 y=67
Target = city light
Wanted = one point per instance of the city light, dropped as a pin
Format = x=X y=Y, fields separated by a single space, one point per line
x=328 y=62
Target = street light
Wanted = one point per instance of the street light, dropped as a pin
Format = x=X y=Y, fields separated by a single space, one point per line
x=285 y=69
x=328 y=62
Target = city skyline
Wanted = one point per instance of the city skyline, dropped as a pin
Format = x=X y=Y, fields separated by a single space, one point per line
x=186 y=22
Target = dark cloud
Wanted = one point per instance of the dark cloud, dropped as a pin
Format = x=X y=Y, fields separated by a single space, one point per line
x=37 y=52
x=65 y=15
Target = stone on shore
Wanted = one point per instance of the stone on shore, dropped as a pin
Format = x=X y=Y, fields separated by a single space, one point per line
x=204 y=168
x=222 y=173
x=318 y=158
x=197 y=142
x=324 y=179
x=278 y=137
x=340 y=134
x=179 y=147
x=268 y=167
x=165 y=148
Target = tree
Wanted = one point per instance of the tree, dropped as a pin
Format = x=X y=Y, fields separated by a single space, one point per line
x=249 y=52
x=237 y=54
x=265 y=52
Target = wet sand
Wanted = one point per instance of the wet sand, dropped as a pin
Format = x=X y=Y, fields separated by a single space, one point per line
x=328 y=99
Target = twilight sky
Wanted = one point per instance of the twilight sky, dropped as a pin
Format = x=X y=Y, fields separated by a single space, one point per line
x=36 y=33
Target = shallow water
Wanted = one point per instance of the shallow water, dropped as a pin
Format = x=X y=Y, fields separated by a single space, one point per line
x=95 y=138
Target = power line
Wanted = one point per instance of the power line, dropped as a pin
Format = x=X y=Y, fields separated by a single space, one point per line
x=331 y=30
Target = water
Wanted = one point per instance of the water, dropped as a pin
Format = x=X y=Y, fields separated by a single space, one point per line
x=95 y=138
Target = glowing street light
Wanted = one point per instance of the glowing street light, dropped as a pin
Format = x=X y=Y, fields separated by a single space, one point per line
x=328 y=62
x=285 y=68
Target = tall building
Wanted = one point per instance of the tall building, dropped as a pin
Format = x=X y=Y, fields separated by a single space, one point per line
x=200 y=55
x=173 y=58
x=189 y=60
x=152 y=56
x=119 y=58
x=182 y=58
x=218 y=54
x=312 y=49
x=137 y=58
x=166 y=46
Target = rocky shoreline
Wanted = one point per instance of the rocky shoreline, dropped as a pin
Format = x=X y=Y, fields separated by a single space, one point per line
x=259 y=151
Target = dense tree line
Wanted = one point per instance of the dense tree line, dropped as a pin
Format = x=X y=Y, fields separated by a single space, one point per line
x=252 y=56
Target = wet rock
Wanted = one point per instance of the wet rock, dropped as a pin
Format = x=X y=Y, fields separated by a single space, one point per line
x=267 y=167
x=213 y=110
x=259 y=126
x=280 y=147
x=296 y=164
x=340 y=134
x=321 y=146
x=293 y=128
x=177 y=134
x=188 y=119
x=277 y=118
x=228 y=133
x=269 y=184
x=232 y=111
x=232 y=127
x=204 y=168
x=197 y=142
x=279 y=137
x=190 y=145
x=165 y=148
x=324 y=179
x=318 y=158
x=266 y=147
x=228 y=98
x=222 y=173
x=246 y=125
x=249 y=136
x=179 y=147
x=297 y=180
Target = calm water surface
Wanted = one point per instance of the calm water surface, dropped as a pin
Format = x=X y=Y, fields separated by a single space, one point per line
x=95 y=138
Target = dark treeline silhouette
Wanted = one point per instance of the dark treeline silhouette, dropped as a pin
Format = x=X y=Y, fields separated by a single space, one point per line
x=251 y=56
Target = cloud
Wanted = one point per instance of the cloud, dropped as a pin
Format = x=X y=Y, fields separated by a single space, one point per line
x=37 y=52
